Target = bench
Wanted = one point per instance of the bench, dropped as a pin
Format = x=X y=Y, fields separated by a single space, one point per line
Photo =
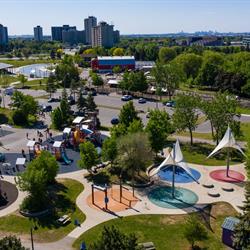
x=227 y=189
x=208 y=185
x=64 y=219
x=214 y=194
x=147 y=246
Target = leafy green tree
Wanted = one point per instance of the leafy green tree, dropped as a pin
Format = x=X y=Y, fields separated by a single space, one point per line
x=51 y=85
x=109 y=149
x=134 y=153
x=74 y=88
x=221 y=112
x=117 y=69
x=81 y=102
x=23 y=79
x=90 y=103
x=118 y=130
x=128 y=114
x=167 y=76
x=88 y=155
x=96 y=80
x=118 y=52
x=158 y=129
x=135 y=126
x=242 y=230
x=190 y=64
x=185 y=115
x=166 y=54
x=194 y=231
x=65 y=108
x=11 y=243
x=57 y=119
x=113 y=239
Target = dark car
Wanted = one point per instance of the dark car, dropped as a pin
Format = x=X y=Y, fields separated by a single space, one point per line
x=46 y=108
x=170 y=104
x=142 y=100
x=52 y=99
x=126 y=98
x=114 y=121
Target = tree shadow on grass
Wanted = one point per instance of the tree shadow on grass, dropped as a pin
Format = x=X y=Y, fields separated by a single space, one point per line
x=60 y=205
x=3 y=119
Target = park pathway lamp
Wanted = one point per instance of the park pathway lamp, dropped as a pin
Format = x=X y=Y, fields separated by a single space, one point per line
x=174 y=158
x=228 y=142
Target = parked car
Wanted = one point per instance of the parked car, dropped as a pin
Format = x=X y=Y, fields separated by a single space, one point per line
x=46 y=108
x=126 y=98
x=170 y=104
x=142 y=100
x=52 y=99
x=114 y=121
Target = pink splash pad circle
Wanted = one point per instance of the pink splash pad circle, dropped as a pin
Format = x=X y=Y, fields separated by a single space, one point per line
x=233 y=176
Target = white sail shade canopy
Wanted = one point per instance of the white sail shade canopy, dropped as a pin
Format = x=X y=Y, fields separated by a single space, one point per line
x=228 y=141
x=175 y=157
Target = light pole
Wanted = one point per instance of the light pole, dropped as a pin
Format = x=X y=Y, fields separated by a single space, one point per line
x=31 y=236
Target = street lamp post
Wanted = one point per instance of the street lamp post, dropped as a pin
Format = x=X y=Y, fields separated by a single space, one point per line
x=31 y=236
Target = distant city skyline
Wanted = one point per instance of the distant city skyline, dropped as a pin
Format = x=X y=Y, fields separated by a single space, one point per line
x=130 y=16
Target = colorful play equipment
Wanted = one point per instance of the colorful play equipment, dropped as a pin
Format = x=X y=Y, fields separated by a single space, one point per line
x=34 y=148
x=60 y=153
x=176 y=160
x=228 y=142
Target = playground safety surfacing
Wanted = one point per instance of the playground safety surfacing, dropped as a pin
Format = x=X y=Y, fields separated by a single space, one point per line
x=162 y=197
x=114 y=204
x=181 y=176
x=233 y=176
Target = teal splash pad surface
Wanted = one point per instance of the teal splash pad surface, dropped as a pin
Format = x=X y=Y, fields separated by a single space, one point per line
x=162 y=197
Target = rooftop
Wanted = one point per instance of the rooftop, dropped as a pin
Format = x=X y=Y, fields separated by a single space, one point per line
x=115 y=57
x=5 y=66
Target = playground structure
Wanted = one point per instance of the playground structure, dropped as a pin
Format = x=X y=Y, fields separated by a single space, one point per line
x=60 y=153
x=111 y=199
x=228 y=142
x=34 y=148
x=20 y=163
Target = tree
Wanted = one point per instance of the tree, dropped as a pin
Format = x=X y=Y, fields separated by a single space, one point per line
x=134 y=153
x=185 y=115
x=118 y=52
x=135 y=126
x=113 y=239
x=194 y=231
x=118 y=130
x=128 y=114
x=57 y=119
x=158 y=129
x=65 y=108
x=109 y=149
x=221 y=112
x=167 y=76
x=88 y=155
x=117 y=69
x=74 y=87
x=81 y=102
x=90 y=103
x=96 y=80
x=242 y=229
x=50 y=85
x=11 y=243
x=166 y=54
x=22 y=78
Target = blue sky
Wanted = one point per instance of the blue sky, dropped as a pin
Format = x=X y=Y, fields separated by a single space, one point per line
x=129 y=16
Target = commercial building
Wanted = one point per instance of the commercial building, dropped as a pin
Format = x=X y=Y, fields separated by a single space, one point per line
x=116 y=36
x=38 y=33
x=107 y=63
x=56 y=32
x=3 y=35
x=103 y=35
x=89 y=23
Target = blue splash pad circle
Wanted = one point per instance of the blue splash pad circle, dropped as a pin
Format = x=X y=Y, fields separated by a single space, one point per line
x=181 y=176
x=162 y=197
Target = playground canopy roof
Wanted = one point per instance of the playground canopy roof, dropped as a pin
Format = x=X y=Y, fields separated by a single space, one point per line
x=174 y=158
x=20 y=161
x=228 y=141
x=87 y=121
x=78 y=119
x=31 y=143
x=66 y=130
x=57 y=144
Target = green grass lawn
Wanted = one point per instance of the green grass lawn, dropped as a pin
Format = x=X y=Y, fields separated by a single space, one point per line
x=24 y=62
x=243 y=110
x=34 y=84
x=198 y=154
x=7 y=79
x=166 y=231
x=48 y=229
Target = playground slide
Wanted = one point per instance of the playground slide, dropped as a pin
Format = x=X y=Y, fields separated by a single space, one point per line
x=66 y=159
